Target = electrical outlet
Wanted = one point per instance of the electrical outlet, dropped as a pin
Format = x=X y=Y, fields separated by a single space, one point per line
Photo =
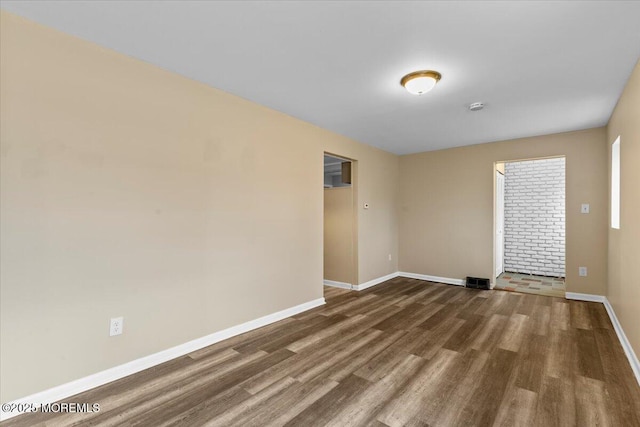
x=389 y=257
x=116 y=325
x=582 y=271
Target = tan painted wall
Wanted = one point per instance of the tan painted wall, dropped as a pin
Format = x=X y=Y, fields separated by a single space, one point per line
x=339 y=229
x=624 y=244
x=447 y=198
x=131 y=191
x=376 y=184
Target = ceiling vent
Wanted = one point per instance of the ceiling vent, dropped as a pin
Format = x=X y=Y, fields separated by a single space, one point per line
x=476 y=106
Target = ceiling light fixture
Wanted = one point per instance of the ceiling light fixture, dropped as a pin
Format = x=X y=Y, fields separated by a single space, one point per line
x=420 y=82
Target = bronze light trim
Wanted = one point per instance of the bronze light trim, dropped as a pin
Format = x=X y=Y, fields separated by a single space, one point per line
x=418 y=74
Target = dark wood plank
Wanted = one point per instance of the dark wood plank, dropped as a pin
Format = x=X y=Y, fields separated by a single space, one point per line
x=517 y=409
x=490 y=333
x=285 y=336
x=421 y=389
x=620 y=384
x=562 y=354
x=541 y=319
x=579 y=315
x=526 y=306
x=591 y=403
x=556 y=403
x=515 y=332
x=426 y=343
x=275 y=407
x=364 y=408
x=407 y=318
x=598 y=316
x=427 y=393
x=487 y=394
x=560 y=314
x=461 y=339
x=323 y=410
x=589 y=362
x=341 y=370
x=206 y=410
x=509 y=304
x=171 y=402
x=531 y=362
x=447 y=312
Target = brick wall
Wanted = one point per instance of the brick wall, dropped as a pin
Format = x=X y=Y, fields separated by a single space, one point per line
x=534 y=232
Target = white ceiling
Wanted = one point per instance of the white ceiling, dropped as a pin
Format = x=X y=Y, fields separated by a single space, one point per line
x=540 y=67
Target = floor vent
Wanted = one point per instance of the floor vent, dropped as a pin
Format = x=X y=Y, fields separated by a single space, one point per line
x=477 y=283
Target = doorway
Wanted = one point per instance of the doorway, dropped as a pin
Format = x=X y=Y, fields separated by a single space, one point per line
x=499 y=221
x=530 y=226
x=340 y=222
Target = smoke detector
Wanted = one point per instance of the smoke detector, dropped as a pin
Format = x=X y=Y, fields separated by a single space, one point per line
x=476 y=106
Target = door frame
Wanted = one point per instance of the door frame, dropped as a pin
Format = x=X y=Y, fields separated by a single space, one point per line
x=354 y=237
x=495 y=166
x=499 y=208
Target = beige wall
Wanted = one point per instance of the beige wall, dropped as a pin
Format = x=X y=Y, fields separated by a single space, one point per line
x=376 y=181
x=339 y=230
x=446 y=206
x=131 y=191
x=624 y=244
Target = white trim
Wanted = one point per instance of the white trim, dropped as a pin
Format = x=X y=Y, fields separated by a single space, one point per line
x=100 y=378
x=374 y=282
x=370 y=283
x=585 y=297
x=335 y=284
x=626 y=345
x=447 y=280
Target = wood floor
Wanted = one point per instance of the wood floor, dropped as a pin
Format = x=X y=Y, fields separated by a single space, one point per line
x=403 y=353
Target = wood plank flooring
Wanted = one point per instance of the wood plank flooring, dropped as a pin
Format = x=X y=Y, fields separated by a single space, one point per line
x=403 y=353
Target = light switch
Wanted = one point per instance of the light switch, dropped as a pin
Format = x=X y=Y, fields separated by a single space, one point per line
x=584 y=208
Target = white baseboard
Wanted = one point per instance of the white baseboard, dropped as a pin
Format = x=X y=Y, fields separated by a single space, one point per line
x=374 y=282
x=626 y=345
x=335 y=284
x=447 y=280
x=585 y=297
x=370 y=283
x=83 y=384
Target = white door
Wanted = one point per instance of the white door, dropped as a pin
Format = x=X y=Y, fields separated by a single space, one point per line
x=499 y=223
